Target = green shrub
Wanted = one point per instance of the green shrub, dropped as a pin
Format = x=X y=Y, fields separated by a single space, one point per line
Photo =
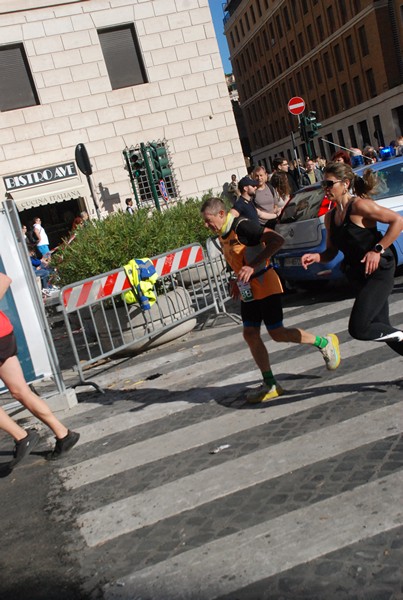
x=110 y=243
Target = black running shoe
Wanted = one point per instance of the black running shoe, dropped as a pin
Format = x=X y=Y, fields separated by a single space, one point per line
x=64 y=445
x=24 y=447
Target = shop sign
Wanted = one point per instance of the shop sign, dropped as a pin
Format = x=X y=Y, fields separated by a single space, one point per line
x=32 y=202
x=39 y=177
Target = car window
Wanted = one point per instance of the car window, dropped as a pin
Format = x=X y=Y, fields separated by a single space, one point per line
x=390 y=181
x=304 y=205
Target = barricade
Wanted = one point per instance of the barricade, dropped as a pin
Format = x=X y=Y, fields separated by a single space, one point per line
x=100 y=324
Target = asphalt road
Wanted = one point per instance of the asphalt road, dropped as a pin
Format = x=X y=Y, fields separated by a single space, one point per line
x=303 y=501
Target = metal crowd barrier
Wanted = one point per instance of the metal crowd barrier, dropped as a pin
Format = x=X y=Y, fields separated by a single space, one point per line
x=100 y=324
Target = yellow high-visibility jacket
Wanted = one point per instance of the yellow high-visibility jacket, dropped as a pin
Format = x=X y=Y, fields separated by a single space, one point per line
x=142 y=275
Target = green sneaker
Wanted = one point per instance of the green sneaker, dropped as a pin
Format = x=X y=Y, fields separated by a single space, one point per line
x=331 y=353
x=264 y=393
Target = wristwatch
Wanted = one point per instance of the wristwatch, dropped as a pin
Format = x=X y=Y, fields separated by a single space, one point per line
x=379 y=248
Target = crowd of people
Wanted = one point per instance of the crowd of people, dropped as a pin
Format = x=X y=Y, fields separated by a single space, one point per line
x=40 y=254
x=289 y=176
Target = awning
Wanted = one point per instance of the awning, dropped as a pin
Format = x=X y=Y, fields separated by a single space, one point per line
x=32 y=198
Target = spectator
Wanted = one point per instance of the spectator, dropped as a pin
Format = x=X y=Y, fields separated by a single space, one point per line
x=78 y=222
x=279 y=181
x=42 y=244
x=341 y=156
x=399 y=146
x=244 y=206
x=311 y=174
x=265 y=198
x=129 y=206
x=85 y=217
x=232 y=190
x=321 y=162
x=42 y=269
x=280 y=164
x=370 y=154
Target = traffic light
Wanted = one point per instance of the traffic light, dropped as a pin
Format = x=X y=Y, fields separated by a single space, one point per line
x=312 y=125
x=134 y=162
x=160 y=160
x=302 y=129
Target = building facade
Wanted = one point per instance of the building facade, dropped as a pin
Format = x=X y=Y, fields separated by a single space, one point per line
x=109 y=74
x=343 y=58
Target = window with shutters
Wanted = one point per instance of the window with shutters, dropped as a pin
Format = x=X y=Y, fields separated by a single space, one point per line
x=122 y=54
x=17 y=88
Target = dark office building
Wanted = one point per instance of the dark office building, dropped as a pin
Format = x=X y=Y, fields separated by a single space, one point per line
x=343 y=58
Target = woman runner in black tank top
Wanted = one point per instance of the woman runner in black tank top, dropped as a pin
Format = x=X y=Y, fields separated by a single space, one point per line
x=368 y=260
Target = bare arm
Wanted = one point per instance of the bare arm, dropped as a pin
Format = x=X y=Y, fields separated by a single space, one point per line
x=38 y=232
x=262 y=214
x=367 y=213
x=5 y=282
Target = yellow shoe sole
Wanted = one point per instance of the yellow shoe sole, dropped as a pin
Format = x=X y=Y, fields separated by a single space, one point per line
x=270 y=395
x=335 y=341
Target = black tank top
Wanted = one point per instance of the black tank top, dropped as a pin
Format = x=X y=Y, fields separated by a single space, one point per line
x=355 y=241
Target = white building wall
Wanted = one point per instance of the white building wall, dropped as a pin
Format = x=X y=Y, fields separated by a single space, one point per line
x=186 y=100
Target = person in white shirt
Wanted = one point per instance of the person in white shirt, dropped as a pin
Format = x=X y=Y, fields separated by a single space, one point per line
x=43 y=241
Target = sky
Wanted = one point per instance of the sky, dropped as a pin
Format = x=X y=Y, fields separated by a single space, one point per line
x=216 y=7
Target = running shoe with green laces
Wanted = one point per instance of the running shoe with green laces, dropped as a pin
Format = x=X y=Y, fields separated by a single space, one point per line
x=264 y=393
x=331 y=352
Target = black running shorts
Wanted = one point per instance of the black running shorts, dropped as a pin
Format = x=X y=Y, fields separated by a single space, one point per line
x=8 y=347
x=269 y=310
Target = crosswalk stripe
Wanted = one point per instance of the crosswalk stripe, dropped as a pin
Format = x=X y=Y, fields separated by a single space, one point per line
x=297 y=365
x=231 y=563
x=153 y=449
x=208 y=431
x=105 y=523
x=122 y=422
x=232 y=338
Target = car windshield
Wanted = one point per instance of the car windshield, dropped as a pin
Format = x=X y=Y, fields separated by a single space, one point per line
x=390 y=181
x=304 y=205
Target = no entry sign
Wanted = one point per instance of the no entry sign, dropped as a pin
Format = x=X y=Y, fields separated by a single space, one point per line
x=296 y=105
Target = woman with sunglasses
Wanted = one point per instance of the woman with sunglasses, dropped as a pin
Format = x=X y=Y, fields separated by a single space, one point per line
x=368 y=262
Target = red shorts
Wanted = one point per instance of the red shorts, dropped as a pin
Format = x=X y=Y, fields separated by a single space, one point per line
x=8 y=347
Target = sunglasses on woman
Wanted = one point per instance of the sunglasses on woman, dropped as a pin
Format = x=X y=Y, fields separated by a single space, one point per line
x=328 y=183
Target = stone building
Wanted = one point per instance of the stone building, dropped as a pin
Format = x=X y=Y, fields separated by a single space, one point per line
x=343 y=58
x=109 y=74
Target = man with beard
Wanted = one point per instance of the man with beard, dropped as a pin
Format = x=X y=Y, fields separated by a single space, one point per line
x=244 y=206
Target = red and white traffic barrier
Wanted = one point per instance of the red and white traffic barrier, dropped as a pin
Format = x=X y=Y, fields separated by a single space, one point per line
x=88 y=292
x=179 y=259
